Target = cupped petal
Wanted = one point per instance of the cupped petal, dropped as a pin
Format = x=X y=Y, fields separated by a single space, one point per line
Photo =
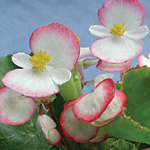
x=116 y=49
x=101 y=124
x=59 y=76
x=84 y=52
x=101 y=77
x=74 y=129
x=15 y=109
x=137 y=34
x=87 y=62
x=143 y=61
x=114 y=108
x=130 y=12
x=54 y=137
x=22 y=60
x=30 y=82
x=60 y=43
x=101 y=136
x=46 y=126
x=90 y=107
x=109 y=67
x=99 y=31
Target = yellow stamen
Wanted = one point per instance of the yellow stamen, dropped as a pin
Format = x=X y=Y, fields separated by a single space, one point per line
x=39 y=60
x=118 y=29
x=77 y=37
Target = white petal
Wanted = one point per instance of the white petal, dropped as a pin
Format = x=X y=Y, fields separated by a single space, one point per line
x=15 y=109
x=143 y=61
x=74 y=129
x=22 y=60
x=30 y=82
x=116 y=49
x=109 y=67
x=131 y=12
x=60 y=43
x=114 y=108
x=59 y=76
x=101 y=77
x=84 y=52
x=137 y=34
x=99 y=31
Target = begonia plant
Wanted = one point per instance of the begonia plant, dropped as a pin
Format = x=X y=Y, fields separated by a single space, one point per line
x=42 y=103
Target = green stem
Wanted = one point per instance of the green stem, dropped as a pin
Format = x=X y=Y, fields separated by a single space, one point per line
x=65 y=142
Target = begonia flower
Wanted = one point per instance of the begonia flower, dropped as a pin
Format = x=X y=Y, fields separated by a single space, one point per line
x=55 y=53
x=121 y=31
x=103 y=104
x=46 y=126
x=143 y=61
x=15 y=109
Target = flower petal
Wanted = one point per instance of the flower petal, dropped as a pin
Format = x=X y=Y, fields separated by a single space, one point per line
x=30 y=82
x=116 y=49
x=99 y=31
x=54 y=137
x=90 y=107
x=101 y=77
x=101 y=124
x=59 y=76
x=74 y=129
x=102 y=134
x=137 y=34
x=131 y=12
x=114 y=108
x=109 y=67
x=84 y=52
x=60 y=43
x=143 y=61
x=22 y=60
x=15 y=109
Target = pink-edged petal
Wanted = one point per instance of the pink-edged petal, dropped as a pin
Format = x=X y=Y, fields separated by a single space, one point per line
x=22 y=60
x=99 y=31
x=15 y=109
x=89 y=107
x=149 y=55
x=74 y=129
x=109 y=67
x=30 y=82
x=101 y=136
x=131 y=12
x=116 y=49
x=46 y=125
x=70 y=102
x=101 y=77
x=87 y=62
x=143 y=61
x=101 y=124
x=59 y=76
x=137 y=34
x=60 y=43
x=54 y=137
x=114 y=108
x=84 y=52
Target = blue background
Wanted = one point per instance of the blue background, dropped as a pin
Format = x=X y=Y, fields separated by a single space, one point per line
x=19 y=18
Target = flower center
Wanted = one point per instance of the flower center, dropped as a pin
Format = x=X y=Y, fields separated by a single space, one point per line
x=118 y=29
x=39 y=60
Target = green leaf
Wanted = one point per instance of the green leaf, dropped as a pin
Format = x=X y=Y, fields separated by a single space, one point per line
x=123 y=145
x=23 y=137
x=135 y=124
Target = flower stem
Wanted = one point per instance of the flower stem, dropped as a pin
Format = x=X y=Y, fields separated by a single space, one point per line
x=65 y=142
x=40 y=110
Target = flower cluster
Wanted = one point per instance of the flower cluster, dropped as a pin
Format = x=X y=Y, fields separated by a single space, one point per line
x=55 y=51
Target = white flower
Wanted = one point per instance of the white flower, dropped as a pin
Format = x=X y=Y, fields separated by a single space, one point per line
x=56 y=51
x=121 y=32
